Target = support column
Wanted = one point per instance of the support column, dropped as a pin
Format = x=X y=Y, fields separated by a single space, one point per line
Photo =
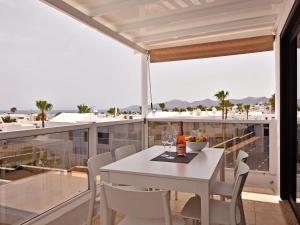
x=93 y=140
x=144 y=97
x=277 y=113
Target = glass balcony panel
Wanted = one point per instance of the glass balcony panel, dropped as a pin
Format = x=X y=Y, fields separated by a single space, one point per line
x=252 y=138
x=112 y=137
x=40 y=172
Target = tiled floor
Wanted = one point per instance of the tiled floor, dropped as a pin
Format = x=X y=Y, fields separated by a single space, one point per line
x=265 y=211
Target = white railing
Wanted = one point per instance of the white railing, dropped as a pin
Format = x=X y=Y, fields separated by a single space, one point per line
x=62 y=152
x=256 y=178
x=261 y=178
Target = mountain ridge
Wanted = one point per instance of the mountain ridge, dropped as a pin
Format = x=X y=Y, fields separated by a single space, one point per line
x=205 y=102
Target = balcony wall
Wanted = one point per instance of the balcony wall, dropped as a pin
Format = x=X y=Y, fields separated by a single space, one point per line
x=256 y=137
x=44 y=169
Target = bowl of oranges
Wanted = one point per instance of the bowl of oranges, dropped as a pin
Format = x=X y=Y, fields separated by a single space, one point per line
x=196 y=143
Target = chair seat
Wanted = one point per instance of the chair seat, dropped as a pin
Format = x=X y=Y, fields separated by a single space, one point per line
x=222 y=188
x=219 y=211
x=128 y=188
x=132 y=188
x=139 y=221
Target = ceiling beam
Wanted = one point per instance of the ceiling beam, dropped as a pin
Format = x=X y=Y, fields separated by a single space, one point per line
x=209 y=20
x=251 y=31
x=75 y=13
x=195 y=12
x=241 y=24
x=230 y=35
x=169 y=15
x=117 y=6
x=214 y=49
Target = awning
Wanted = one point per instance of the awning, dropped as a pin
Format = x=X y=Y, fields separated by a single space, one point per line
x=213 y=49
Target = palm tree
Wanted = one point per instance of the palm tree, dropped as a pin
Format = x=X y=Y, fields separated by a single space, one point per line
x=8 y=119
x=162 y=106
x=221 y=96
x=239 y=107
x=112 y=110
x=227 y=105
x=272 y=102
x=247 y=108
x=190 y=109
x=83 y=108
x=13 y=110
x=44 y=107
x=217 y=107
x=201 y=107
x=175 y=109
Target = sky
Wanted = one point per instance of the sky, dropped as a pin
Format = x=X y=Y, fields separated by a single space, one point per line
x=45 y=54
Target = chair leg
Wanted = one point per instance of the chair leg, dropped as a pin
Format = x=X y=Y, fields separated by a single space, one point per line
x=185 y=221
x=241 y=207
x=113 y=216
x=176 y=195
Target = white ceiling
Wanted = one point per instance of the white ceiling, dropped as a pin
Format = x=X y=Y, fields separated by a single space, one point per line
x=150 y=24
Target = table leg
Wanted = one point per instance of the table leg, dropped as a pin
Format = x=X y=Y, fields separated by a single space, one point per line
x=205 y=211
x=222 y=169
x=106 y=216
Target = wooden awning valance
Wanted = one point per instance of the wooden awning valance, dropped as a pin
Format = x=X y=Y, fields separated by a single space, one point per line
x=213 y=49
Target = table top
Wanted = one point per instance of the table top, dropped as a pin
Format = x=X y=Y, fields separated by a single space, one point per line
x=202 y=167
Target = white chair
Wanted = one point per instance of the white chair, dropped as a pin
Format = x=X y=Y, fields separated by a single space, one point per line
x=139 y=207
x=226 y=213
x=124 y=151
x=226 y=189
x=94 y=163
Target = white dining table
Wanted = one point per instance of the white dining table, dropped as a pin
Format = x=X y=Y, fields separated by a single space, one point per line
x=197 y=176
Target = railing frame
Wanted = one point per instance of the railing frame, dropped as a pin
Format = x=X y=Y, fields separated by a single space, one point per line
x=260 y=178
x=266 y=179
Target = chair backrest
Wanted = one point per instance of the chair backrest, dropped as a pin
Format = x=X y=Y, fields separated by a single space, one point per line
x=94 y=163
x=242 y=157
x=241 y=176
x=139 y=204
x=124 y=151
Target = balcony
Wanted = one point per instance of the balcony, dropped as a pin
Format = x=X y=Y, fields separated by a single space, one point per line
x=43 y=172
x=43 y=169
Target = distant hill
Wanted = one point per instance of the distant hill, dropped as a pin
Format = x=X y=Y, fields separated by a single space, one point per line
x=250 y=100
x=174 y=103
x=205 y=102
x=169 y=105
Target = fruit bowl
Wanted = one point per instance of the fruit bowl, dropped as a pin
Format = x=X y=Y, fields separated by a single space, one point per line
x=195 y=146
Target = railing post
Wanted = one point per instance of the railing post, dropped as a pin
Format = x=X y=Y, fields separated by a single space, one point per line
x=93 y=140
x=277 y=106
x=273 y=147
x=144 y=94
